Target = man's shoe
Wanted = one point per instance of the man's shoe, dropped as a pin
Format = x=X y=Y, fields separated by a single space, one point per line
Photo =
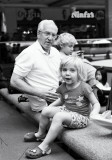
x=30 y=137
x=37 y=153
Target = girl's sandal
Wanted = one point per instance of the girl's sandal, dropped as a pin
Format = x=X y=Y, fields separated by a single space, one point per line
x=30 y=137
x=37 y=153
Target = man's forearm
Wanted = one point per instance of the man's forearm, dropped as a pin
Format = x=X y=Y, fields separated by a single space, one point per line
x=21 y=85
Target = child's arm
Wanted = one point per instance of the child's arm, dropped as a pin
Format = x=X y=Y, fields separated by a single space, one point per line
x=58 y=102
x=104 y=88
x=107 y=84
x=95 y=105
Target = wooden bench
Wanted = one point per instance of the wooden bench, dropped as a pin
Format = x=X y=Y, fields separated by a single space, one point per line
x=91 y=143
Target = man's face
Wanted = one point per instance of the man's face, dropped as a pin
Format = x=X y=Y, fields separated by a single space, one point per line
x=47 y=36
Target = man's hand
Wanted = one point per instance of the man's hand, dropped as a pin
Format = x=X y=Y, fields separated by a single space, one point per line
x=51 y=96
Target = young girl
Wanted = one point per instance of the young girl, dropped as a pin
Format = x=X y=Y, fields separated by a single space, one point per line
x=101 y=76
x=71 y=110
x=103 y=85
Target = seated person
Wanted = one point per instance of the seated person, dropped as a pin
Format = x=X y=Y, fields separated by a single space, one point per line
x=65 y=44
x=103 y=85
x=71 y=111
x=36 y=69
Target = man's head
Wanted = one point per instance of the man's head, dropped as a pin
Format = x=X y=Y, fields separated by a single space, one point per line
x=66 y=42
x=47 y=33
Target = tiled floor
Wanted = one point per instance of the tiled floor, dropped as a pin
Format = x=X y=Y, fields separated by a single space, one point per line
x=13 y=126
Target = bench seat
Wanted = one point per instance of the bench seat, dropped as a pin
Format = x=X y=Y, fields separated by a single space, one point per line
x=91 y=143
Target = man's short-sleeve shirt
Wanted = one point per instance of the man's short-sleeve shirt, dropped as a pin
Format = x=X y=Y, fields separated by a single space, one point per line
x=39 y=69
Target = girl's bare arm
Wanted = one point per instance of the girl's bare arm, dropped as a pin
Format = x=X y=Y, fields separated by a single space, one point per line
x=95 y=105
x=58 y=102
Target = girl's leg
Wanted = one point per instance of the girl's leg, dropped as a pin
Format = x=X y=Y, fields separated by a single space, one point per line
x=72 y=120
x=47 y=113
x=56 y=127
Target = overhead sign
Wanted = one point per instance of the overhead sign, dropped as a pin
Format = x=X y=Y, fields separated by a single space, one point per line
x=85 y=14
x=28 y=14
x=88 y=14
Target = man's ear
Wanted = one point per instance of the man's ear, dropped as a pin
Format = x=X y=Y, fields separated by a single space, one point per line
x=38 y=32
x=61 y=45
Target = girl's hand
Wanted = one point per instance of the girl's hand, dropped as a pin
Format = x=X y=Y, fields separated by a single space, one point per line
x=93 y=115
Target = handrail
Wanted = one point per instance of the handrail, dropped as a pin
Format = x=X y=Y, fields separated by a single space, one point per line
x=88 y=41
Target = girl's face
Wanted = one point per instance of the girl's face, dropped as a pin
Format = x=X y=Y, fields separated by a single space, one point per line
x=98 y=76
x=69 y=74
x=67 y=49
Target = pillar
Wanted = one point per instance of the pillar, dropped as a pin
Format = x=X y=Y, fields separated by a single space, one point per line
x=108 y=14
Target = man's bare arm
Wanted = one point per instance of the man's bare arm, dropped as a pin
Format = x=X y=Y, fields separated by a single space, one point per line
x=19 y=83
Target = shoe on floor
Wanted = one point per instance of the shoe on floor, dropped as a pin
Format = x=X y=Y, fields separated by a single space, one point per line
x=30 y=137
x=37 y=153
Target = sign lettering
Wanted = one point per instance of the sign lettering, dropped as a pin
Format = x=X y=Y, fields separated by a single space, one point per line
x=86 y=14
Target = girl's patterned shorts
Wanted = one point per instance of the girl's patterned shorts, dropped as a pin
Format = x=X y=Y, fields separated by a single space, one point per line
x=78 y=120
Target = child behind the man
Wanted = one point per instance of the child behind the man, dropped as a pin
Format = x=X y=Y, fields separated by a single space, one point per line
x=65 y=44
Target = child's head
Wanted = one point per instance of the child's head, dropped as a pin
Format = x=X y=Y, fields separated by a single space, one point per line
x=101 y=75
x=66 y=42
x=73 y=68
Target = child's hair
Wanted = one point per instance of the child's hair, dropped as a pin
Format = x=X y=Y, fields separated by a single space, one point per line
x=103 y=73
x=65 y=38
x=78 y=64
